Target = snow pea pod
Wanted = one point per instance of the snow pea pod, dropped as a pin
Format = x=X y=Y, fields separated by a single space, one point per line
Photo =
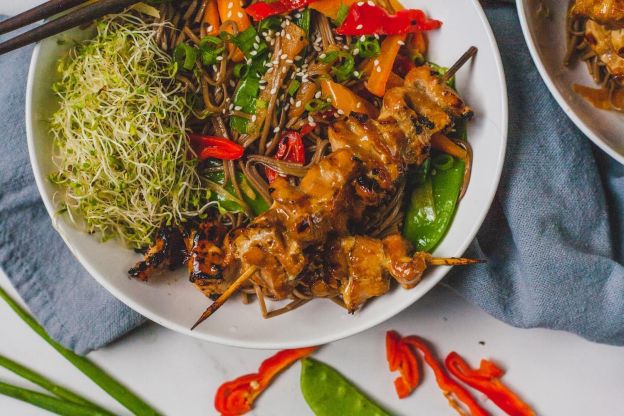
x=432 y=204
x=328 y=393
x=250 y=196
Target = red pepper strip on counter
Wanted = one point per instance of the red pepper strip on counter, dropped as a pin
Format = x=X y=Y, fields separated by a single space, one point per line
x=261 y=10
x=236 y=397
x=400 y=357
x=451 y=389
x=364 y=19
x=290 y=149
x=486 y=379
x=208 y=147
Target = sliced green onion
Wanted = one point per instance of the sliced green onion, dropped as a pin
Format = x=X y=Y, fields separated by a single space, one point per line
x=245 y=97
x=303 y=21
x=343 y=10
x=124 y=396
x=292 y=88
x=315 y=105
x=247 y=43
x=210 y=47
x=344 y=70
x=368 y=47
x=185 y=55
x=270 y=23
x=241 y=70
x=443 y=162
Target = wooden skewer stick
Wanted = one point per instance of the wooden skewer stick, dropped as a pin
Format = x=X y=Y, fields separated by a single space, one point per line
x=452 y=261
x=226 y=295
x=460 y=62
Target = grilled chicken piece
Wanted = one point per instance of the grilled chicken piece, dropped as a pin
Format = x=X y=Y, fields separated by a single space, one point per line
x=606 y=12
x=206 y=258
x=364 y=265
x=166 y=252
x=299 y=218
x=410 y=115
x=608 y=45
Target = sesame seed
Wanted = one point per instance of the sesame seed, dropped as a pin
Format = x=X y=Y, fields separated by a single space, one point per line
x=298 y=103
x=356 y=74
x=254 y=117
x=288 y=36
x=276 y=130
x=401 y=43
x=317 y=95
x=362 y=38
x=232 y=83
x=256 y=45
x=292 y=100
x=376 y=36
x=359 y=27
x=356 y=51
x=257 y=38
x=370 y=3
x=209 y=28
x=290 y=61
x=219 y=58
x=310 y=119
x=360 y=3
x=231 y=106
x=297 y=15
x=312 y=123
x=262 y=87
x=253 y=53
x=230 y=5
x=378 y=69
x=336 y=115
x=298 y=58
x=229 y=14
x=270 y=70
x=273 y=90
x=239 y=15
x=358 y=105
x=283 y=56
x=214 y=68
x=238 y=108
x=284 y=70
x=323 y=55
x=341 y=112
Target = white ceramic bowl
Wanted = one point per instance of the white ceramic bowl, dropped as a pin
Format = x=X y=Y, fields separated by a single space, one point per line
x=172 y=301
x=547 y=42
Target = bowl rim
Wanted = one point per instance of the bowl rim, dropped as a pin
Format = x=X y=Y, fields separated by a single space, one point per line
x=350 y=330
x=522 y=6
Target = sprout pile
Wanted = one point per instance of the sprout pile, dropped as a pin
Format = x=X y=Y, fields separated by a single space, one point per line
x=120 y=150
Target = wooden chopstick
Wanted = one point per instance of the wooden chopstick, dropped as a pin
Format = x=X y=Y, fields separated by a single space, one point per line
x=43 y=11
x=79 y=17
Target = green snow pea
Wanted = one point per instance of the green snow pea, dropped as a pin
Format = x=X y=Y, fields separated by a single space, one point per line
x=432 y=204
x=251 y=197
x=328 y=393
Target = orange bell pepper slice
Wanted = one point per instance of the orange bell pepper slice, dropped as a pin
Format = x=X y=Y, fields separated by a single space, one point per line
x=344 y=99
x=211 y=16
x=381 y=67
x=233 y=10
x=330 y=8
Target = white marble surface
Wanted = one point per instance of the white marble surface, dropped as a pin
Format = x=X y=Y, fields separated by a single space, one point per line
x=558 y=373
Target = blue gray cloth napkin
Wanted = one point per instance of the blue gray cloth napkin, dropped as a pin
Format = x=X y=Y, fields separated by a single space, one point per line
x=552 y=237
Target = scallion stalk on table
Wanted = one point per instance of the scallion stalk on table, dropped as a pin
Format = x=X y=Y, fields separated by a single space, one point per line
x=111 y=386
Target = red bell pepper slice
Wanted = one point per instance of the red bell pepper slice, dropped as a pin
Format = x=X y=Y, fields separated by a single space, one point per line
x=236 y=397
x=451 y=389
x=291 y=149
x=215 y=147
x=401 y=358
x=261 y=10
x=486 y=379
x=364 y=19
